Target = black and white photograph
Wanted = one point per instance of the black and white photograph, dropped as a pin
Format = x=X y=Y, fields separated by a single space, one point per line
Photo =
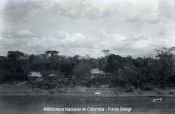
x=87 y=56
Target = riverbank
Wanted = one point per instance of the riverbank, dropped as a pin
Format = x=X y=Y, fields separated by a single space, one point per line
x=21 y=89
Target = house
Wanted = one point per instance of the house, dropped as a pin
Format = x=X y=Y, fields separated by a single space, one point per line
x=95 y=72
x=35 y=76
x=53 y=77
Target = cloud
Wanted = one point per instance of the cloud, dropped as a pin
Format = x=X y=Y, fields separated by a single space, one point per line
x=130 y=27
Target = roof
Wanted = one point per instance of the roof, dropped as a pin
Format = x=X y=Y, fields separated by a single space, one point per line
x=35 y=74
x=52 y=75
x=96 y=71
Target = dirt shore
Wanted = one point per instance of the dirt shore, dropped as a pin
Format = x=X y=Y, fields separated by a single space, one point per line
x=21 y=89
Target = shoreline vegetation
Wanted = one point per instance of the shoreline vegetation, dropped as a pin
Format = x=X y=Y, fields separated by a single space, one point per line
x=111 y=75
x=21 y=89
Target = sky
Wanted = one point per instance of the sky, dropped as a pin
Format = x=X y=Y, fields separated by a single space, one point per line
x=80 y=27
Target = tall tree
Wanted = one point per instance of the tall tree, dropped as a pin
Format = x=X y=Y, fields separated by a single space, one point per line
x=106 y=52
x=51 y=53
x=15 y=54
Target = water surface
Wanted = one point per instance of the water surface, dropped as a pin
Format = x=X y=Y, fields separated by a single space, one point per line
x=35 y=105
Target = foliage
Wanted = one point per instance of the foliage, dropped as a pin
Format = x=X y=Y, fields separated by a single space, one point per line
x=140 y=73
x=82 y=73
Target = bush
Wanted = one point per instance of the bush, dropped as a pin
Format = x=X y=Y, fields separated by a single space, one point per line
x=82 y=73
x=171 y=93
x=42 y=85
x=148 y=87
x=4 y=76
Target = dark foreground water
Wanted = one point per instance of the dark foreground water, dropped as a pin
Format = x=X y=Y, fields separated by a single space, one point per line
x=36 y=104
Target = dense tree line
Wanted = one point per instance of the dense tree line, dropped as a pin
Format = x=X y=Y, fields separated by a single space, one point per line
x=140 y=73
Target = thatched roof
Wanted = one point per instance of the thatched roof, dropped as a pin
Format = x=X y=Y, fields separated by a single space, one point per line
x=96 y=71
x=52 y=75
x=35 y=74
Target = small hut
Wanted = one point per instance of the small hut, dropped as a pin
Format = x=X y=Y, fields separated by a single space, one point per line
x=53 y=77
x=35 y=76
x=95 y=73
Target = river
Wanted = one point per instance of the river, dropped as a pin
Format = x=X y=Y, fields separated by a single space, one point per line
x=86 y=105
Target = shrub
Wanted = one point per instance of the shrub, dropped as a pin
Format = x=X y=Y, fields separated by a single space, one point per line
x=148 y=87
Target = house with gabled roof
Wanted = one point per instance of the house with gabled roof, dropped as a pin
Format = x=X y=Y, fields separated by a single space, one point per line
x=95 y=73
x=34 y=76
